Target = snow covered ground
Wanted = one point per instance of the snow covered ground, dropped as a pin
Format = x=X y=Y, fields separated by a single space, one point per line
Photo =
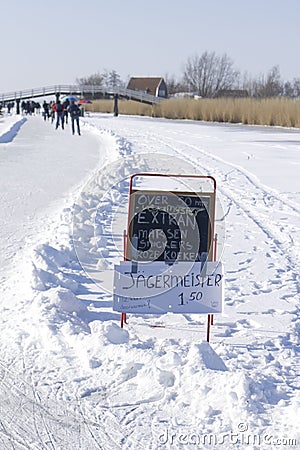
x=70 y=376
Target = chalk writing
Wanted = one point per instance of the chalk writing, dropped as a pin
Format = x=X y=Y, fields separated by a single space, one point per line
x=169 y=226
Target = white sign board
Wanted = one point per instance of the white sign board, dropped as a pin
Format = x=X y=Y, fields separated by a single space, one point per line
x=158 y=288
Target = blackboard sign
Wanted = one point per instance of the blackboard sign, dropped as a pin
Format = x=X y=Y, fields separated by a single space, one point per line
x=170 y=226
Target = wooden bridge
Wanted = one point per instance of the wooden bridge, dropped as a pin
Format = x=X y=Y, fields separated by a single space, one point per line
x=88 y=91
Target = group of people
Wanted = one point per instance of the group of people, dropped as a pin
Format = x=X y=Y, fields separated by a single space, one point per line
x=30 y=107
x=50 y=110
x=62 y=112
x=8 y=105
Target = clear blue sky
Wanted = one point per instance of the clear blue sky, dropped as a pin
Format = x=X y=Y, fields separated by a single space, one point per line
x=47 y=42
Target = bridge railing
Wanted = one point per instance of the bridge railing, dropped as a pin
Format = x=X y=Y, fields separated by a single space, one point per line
x=81 y=90
x=137 y=95
x=40 y=92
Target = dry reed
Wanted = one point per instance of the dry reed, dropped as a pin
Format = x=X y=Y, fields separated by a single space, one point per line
x=272 y=112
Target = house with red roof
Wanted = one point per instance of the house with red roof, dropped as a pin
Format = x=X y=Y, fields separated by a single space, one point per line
x=150 y=85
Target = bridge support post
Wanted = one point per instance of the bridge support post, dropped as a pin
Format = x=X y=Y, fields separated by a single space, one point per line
x=57 y=96
x=116 y=107
x=18 y=105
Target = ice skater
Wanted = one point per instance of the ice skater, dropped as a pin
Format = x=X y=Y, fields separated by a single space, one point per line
x=59 y=109
x=74 y=111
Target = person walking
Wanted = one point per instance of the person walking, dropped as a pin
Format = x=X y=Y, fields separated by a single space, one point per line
x=52 y=110
x=46 y=113
x=59 y=109
x=66 y=104
x=74 y=111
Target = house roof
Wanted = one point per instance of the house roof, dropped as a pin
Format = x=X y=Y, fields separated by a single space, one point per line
x=149 y=84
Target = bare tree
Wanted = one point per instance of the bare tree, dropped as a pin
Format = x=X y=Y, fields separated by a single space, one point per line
x=174 y=85
x=112 y=79
x=269 y=86
x=91 y=80
x=288 y=90
x=207 y=74
x=248 y=83
x=296 y=87
x=107 y=79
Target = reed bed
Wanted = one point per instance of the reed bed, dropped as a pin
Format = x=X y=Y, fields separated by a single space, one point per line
x=125 y=107
x=272 y=112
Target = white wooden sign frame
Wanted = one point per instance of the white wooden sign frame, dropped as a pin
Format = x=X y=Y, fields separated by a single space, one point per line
x=156 y=288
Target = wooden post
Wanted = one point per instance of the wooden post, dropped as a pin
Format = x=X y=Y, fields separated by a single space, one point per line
x=116 y=108
x=18 y=105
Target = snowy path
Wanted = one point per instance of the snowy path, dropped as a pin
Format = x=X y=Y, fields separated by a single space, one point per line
x=36 y=178
x=41 y=172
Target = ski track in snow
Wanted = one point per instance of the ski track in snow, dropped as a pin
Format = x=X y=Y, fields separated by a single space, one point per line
x=132 y=385
x=260 y=198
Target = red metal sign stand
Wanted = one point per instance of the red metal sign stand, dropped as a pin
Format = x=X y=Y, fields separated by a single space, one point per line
x=210 y=317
